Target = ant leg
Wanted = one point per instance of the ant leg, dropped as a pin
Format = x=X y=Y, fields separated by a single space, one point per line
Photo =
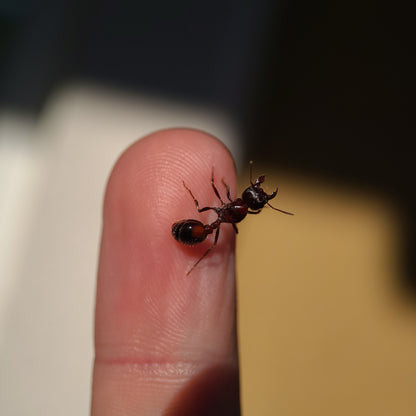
x=235 y=228
x=254 y=212
x=196 y=201
x=214 y=187
x=217 y=233
x=227 y=189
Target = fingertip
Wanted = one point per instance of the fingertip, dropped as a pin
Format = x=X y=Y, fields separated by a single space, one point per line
x=152 y=321
x=145 y=193
x=142 y=269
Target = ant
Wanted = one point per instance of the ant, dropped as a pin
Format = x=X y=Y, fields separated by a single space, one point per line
x=253 y=199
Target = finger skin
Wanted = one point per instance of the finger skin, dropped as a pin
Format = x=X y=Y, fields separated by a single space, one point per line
x=158 y=330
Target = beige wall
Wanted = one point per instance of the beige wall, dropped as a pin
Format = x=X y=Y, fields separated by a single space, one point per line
x=323 y=327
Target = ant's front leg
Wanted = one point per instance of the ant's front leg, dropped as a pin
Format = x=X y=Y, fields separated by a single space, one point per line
x=196 y=201
x=215 y=188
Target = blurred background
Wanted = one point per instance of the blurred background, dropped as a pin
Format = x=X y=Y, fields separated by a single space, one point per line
x=319 y=94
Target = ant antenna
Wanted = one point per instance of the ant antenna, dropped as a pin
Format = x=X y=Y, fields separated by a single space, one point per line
x=251 y=172
x=280 y=210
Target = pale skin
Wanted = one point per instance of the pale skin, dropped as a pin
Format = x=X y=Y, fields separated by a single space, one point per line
x=165 y=343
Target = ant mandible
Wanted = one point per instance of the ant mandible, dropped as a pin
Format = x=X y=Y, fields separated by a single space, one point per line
x=252 y=201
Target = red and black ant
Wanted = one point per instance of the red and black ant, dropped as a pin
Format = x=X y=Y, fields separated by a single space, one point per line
x=253 y=199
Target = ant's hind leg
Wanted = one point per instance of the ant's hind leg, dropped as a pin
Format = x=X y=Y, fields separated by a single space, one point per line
x=235 y=228
x=217 y=233
x=196 y=201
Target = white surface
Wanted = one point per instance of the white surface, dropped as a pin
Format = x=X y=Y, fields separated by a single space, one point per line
x=52 y=179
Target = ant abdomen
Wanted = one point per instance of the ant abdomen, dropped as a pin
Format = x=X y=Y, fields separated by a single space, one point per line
x=189 y=232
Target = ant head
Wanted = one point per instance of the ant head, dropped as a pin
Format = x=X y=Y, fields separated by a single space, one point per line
x=255 y=197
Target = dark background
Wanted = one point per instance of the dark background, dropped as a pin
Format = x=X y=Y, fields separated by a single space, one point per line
x=319 y=87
